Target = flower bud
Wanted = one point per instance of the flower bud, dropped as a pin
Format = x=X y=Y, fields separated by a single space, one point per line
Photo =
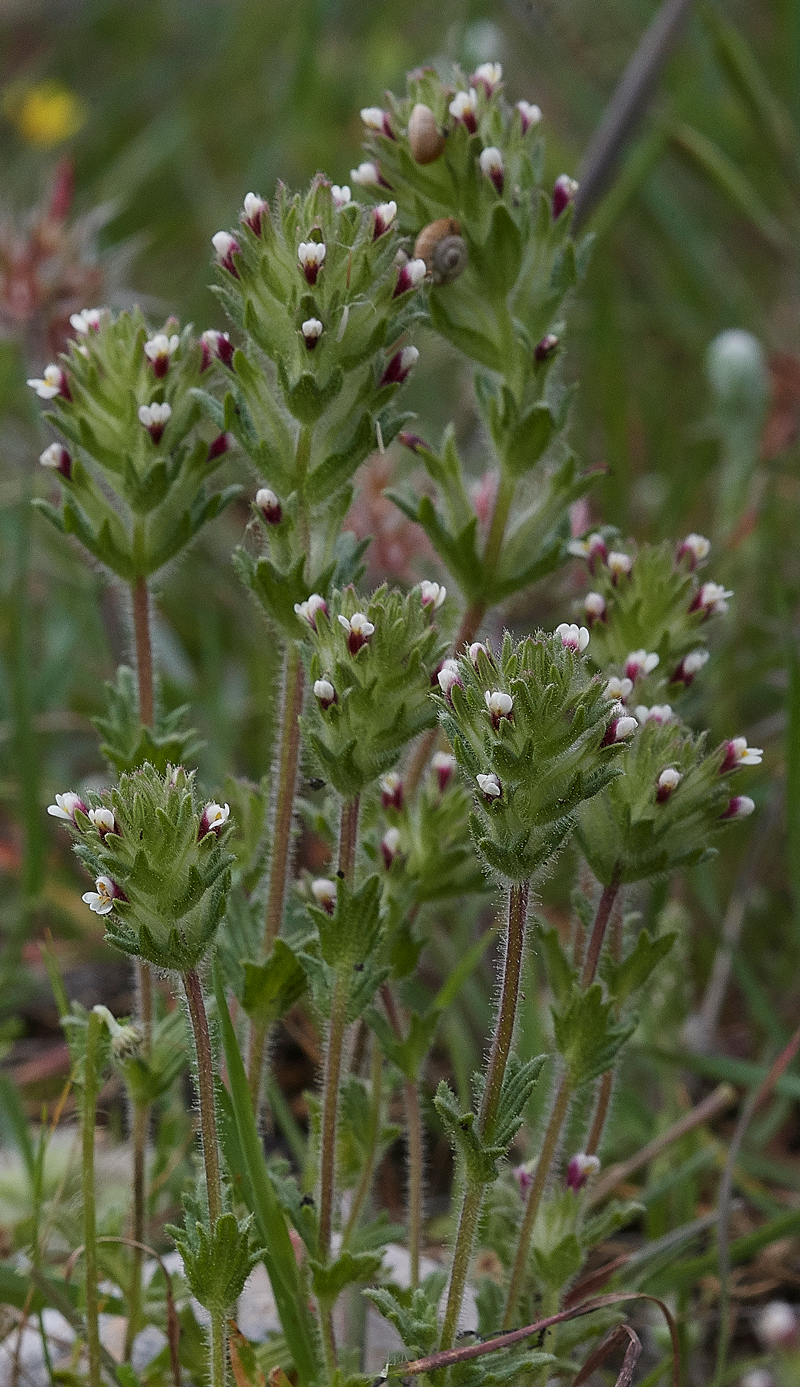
x=594 y=605
x=102 y=899
x=307 y=610
x=694 y=548
x=432 y=594
x=476 y=649
x=269 y=505
x=572 y=636
x=390 y=844
x=620 y=727
x=158 y=351
x=213 y=819
x=216 y=344
x=529 y=115
x=738 y=753
x=57 y=459
x=564 y=190
x=66 y=806
x=545 y=348
x=359 y=629
x=218 y=446
x=619 y=565
x=391 y=790
x=499 y=705
x=639 y=663
x=592 y=549
x=739 y=807
x=255 y=208
x=580 y=1168
x=225 y=247
x=524 y=1179
x=444 y=764
x=488 y=75
x=341 y=195
x=463 y=107
x=411 y=275
x=104 y=821
x=689 y=666
x=668 y=781
x=425 y=139
x=399 y=366
x=367 y=175
x=376 y=119
x=312 y=331
x=491 y=164
x=448 y=676
x=53 y=383
x=155 y=419
x=777 y=1326
x=311 y=255
x=324 y=892
x=325 y=692
x=385 y=214
x=711 y=599
x=412 y=441
x=489 y=785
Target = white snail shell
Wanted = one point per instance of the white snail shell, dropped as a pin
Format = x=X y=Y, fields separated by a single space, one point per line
x=425 y=139
x=443 y=248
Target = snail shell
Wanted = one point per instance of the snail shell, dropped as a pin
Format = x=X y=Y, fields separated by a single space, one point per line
x=424 y=137
x=443 y=248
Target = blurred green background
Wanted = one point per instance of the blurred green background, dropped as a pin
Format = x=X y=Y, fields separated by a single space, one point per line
x=171 y=112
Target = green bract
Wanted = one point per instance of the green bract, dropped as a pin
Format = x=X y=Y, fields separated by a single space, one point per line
x=544 y=756
x=382 y=689
x=173 y=881
x=157 y=471
x=628 y=832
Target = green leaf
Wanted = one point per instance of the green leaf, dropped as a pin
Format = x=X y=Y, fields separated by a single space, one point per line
x=588 y=1035
x=348 y=1269
x=561 y=974
x=272 y=987
x=625 y=978
x=529 y=439
x=518 y=1085
x=217 y=1261
x=307 y=401
x=479 y=1159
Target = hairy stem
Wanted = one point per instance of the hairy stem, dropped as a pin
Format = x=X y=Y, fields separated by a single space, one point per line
x=205 y=1092
x=599 y=930
x=414 y=1148
x=141 y=1113
x=140 y=599
x=285 y=789
x=549 y=1148
x=217 y=1354
x=348 y=837
x=501 y=1047
x=89 y=1115
x=607 y=1081
x=368 y=1171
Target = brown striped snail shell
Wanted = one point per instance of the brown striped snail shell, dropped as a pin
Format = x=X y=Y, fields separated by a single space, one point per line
x=425 y=139
x=443 y=248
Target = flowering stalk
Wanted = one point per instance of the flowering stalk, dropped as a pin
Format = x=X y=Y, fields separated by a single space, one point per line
x=607 y=1081
x=501 y=1047
x=89 y=1116
x=414 y=1148
x=285 y=787
x=208 y=1137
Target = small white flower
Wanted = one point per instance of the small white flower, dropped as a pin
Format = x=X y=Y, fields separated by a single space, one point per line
x=691 y=665
x=269 y=505
x=620 y=564
x=415 y=271
x=385 y=214
x=738 y=753
x=213 y=818
x=390 y=844
x=491 y=164
x=463 y=107
x=489 y=74
x=499 y=704
x=758 y=1377
x=311 y=255
x=448 y=676
x=366 y=175
x=312 y=331
x=391 y=786
x=155 y=418
x=359 y=629
x=88 y=320
x=475 y=650
x=66 y=805
x=639 y=663
x=711 y=599
x=695 y=548
x=224 y=244
x=619 y=688
x=57 y=459
x=528 y=114
x=324 y=892
x=50 y=385
x=489 y=785
x=594 y=605
x=668 y=781
x=101 y=900
x=341 y=195
x=103 y=820
x=574 y=637
x=740 y=807
x=159 y=349
x=658 y=713
x=253 y=210
x=373 y=117
x=624 y=727
x=432 y=594
x=579 y=1169
x=307 y=610
x=325 y=692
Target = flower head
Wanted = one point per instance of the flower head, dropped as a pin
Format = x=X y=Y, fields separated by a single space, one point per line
x=579 y=1169
x=312 y=331
x=253 y=212
x=307 y=610
x=738 y=753
x=390 y=845
x=155 y=419
x=311 y=255
x=66 y=806
x=620 y=727
x=499 y=705
x=57 y=459
x=341 y=195
x=385 y=214
x=324 y=692
x=410 y=276
x=53 y=383
x=216 y=344
x=668 y=781
x=574 y=637
x=159 y=349
x=489 y=785
x=269 y=505
x=711 y=599
x=225 y=247
x=432 y=594
x=213 y=818
x=102 y=899
x=694 y=548
x=359 y=629
x=564 y=190
x=529 y=115
x=391 y=787
x=491 y=164
x=103 y=820
x=463 y=107
x=689 y=666
x=399 y=366
x=619 y=564
x=324 y=892
x=444 y=764
x=639 y=663
x=88 y=320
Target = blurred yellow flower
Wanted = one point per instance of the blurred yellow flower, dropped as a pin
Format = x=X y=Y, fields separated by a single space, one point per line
x=44 y=114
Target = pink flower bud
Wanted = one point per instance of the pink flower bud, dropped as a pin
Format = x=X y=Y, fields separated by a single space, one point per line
x=739 y=807
x=668 y=781
x=463 y=108
x=529 y=115
x=476 y=650
x=399 y=366
x=592 y=549
x=307 y=610
x=564 y=190
x=324 y=892
x=376 y=119
x=499 y=705
x=711 y=599
x=619 y=565
x=216 y=344
x=432 y=594
x=639 y=663
x=595 y=607
x=269 y=505
x=579 y=1169
x=158 y=351
x=57 y=459
x=341 y=195
x=487 y=75
x=620 y=727
x=390 y=845
x=312 y=331
x=410 y=277
x=412 y=441
x=385 y=214
x=155 y=419
x=325 y=693
x=659 y=713
x=448 y=676
x=391 y=787
x=311 y=255
x=444 y=764
x=524 y=1180
x=225 y=247
x=218 y=446
x=694 y=548
x=545 y=348
x=254 y=211
x=491 y=165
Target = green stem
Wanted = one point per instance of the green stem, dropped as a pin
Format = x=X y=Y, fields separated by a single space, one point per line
x=89 y=1116
x=506 y=490
x=599 y=930
x=302 y=459
x=205 y=1092
x=285 y=782
x=217 y=1354
x=501 y=1047
x=549 y=1148
x=348 y=837
x=368 y=1171
x=141 y=1114
x=330 y=1108
x=416 y=1161
x=607 y=1082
